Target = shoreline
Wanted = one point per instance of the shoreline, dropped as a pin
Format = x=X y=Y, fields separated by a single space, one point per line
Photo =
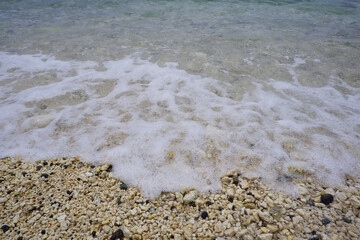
x=69 y=199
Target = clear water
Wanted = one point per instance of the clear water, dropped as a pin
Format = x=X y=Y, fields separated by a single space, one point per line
x=175 y=93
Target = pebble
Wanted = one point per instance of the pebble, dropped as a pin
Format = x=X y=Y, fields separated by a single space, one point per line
x=248 y=237
x=265 y=216
x=179 y=197
x=218 y=227
x=266 y=236
x=302 y=189
x=244 y=184
x=230 y=192
x=106 y=229
x=355 y=201
x=297 y=219
x=272 y=228
x=310 y=203
x=276 y=212
x=325 y=221
x=239 y=205
x=190 y=197
x=204 y=215
x=188 y=232
x=301 y=212
x=326 y=199
x=119 y=234
x=229 y=232
x=44 y=175
x=133 y=211
x=152 y=210
x=61 y=218
x=177 y=237
x=63 y=226
x=341 y=196
x=5 y=228
x=127 y=233
x=123 y=186
x=250 y=205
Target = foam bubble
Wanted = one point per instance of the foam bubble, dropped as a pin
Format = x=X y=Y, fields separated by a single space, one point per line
x=164 y=129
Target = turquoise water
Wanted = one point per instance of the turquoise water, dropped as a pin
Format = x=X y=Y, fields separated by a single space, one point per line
x=175 y=93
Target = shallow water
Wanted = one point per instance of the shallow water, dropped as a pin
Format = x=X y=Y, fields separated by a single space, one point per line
x=175 y=93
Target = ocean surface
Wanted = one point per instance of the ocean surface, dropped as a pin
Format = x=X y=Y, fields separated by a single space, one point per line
x=175 y=93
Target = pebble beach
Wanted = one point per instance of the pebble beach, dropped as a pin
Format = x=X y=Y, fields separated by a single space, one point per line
x=184 y=120
x=69 y=199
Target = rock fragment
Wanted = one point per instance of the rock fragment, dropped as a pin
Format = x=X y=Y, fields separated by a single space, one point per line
x=123 y=186
x=44 y=175
x=355 y=201
x=250 y=205
x=127 y=233
x=119 y=234
x=326 y=198
x=218 y=227
x=106 y=229
x=276 y=212
x=244 y=184
x=325 y=221
x=5 y=228
x=229 y=232
x=204 y=215
x=190 y=197
x=179 y=197
x=266 y=236
x=265 y=216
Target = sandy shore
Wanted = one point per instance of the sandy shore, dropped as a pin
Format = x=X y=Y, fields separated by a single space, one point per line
x=69 y=199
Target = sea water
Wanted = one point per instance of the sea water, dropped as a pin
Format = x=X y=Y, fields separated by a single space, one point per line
x=175 y=93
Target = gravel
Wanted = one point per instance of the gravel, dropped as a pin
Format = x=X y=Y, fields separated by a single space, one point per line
x=70 y=199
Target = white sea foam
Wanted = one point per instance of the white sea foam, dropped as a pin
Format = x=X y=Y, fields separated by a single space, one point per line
x=164 y=129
